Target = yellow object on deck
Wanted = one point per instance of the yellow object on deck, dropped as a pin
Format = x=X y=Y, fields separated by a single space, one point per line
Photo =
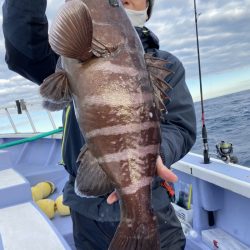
x=61 y=208
x=37 y=193
x=47 y=206
x=42 y=190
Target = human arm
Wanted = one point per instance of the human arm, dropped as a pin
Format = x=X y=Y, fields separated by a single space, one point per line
x=25 y=28
x=178 y=131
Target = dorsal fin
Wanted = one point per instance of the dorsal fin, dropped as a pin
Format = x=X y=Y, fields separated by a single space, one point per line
x=72 y=31
x=158 y=73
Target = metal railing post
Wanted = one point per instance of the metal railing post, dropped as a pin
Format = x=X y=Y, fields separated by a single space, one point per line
x=30 y=120
x=24 y=107
x=10 y=119
x=51 y=120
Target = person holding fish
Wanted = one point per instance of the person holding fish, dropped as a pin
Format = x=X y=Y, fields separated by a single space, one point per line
x=128 y=115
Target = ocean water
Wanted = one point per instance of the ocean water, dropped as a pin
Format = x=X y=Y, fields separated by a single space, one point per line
x=228 y=119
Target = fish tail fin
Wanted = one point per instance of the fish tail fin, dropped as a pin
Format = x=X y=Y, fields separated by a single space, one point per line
x=91 y=180
x=136 y=235
x=72 y=31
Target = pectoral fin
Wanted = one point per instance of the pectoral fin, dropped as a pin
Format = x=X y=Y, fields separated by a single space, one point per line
x=72 y=31
x=91 y=180
x=55 y=90
x=52 y=106
x=158 y=73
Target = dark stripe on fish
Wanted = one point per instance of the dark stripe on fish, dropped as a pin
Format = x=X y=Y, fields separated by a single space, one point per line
x=120 y=115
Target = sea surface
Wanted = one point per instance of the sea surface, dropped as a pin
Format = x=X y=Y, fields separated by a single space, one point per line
x=227 y=118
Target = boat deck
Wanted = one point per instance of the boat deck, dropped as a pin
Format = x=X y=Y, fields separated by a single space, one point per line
x=23 y=225
x=19 y=171
x=219 y=190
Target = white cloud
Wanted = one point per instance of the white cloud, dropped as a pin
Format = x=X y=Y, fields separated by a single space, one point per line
x=223 y=32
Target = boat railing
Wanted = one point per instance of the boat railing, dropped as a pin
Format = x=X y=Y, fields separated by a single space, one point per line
x=27 y=118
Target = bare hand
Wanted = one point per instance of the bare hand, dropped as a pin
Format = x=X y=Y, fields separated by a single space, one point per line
x=161 y=170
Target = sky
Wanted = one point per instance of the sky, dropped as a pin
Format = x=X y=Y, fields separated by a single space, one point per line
x=224 y=35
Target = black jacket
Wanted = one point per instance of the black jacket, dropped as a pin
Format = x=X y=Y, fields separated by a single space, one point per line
x=28 y=53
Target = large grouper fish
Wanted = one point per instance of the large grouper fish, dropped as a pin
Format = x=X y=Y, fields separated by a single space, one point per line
x=118 y=92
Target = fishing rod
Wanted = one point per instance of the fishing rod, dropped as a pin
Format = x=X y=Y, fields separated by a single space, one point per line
x=204 y=130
